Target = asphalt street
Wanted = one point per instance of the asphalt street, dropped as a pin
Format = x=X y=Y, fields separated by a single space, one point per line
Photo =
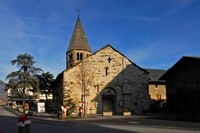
x=98 y=124
x=147 y=121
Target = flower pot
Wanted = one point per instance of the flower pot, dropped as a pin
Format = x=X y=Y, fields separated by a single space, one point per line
x=127 y=113
x=109 y=113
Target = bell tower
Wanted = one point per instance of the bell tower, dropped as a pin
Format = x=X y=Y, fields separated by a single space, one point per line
x=79 y=47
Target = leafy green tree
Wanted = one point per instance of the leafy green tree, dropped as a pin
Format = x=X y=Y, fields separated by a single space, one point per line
x=25 y=79
x=46 y=83
x=69 y=102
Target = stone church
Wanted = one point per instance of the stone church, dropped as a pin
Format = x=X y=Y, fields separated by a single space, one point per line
x=104 y=81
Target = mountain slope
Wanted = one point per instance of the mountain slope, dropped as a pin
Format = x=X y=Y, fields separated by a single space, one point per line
x=2 y=90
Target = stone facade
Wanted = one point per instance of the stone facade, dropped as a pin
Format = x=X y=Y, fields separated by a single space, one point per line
x=157 y=90
x=157 y=87
x=75 y=56
x=114 y=83
x=105 y=81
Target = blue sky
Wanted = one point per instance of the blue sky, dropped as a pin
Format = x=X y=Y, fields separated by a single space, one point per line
x=151 y=33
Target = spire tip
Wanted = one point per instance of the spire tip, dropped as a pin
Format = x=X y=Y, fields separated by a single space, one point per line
x=78 y=11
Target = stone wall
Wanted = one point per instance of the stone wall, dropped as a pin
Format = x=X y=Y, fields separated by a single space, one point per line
x=58 y=91
x=156 y=90
x=114 y=75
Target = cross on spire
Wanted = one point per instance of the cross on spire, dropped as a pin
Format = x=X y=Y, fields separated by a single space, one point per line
x=78 y=11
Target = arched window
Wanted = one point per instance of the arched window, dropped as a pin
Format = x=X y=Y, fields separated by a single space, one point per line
x=81 y=56
x=106 y=71
x=77 y=56
x=97 y=88
x=70 y=57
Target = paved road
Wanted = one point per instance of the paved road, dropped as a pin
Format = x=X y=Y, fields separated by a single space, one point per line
x=147 y=121
x=9 y=120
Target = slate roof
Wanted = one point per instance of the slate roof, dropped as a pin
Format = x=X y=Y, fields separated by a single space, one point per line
x=79 y=40
x=155 y=74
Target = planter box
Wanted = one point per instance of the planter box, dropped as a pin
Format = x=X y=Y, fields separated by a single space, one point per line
x=107 y=113
x=126 y=113
x=74 y=115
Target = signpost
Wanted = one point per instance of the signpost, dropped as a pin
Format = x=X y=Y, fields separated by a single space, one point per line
x=41 y=107
x=64 y=111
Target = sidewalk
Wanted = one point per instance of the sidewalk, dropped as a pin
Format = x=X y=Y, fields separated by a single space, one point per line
x=159 y=116
x=177 y=117
x=49 y=116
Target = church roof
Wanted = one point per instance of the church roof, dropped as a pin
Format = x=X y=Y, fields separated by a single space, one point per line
x=79 y=40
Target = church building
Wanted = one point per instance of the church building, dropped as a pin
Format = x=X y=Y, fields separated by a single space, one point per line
x=103 y=81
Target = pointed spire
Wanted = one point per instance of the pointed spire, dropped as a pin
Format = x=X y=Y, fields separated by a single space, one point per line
x=79 y=40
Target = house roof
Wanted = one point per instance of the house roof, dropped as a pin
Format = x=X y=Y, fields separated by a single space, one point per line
x=79 y=40
x=155 y=74
x=184 y=60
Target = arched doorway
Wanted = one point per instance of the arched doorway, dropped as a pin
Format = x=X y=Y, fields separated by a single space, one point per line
x=108 y=100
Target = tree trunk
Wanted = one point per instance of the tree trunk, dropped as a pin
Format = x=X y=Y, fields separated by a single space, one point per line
x=46 y=97
x=23 y=96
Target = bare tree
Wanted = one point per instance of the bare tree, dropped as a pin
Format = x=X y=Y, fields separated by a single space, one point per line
x=84 y=77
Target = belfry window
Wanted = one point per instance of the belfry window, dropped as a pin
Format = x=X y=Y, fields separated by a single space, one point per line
x=156 y=86
x=70 y=57
x=77 y=56
x=81 y=56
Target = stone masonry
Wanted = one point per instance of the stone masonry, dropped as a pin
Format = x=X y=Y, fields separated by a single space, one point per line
x=115 y=84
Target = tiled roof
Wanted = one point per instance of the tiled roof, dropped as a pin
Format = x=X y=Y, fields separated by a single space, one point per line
x=79 y=40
